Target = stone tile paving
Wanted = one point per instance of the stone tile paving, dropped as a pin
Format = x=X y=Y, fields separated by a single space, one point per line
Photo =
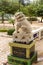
x=39 y=47
x=4 y=48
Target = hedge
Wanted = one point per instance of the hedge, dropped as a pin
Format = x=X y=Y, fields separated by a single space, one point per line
x=3 y=30
x=10 y=31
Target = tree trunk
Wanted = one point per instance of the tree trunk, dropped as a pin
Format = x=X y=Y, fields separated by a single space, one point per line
x=2 y=18
x=41 y=20
x=13 y=25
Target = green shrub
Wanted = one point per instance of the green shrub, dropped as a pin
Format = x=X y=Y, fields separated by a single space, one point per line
x=3 y=30
x=11 y=21
x=10 y=31
x=32 y=19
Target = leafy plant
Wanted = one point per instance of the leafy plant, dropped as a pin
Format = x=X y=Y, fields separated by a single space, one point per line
x=10 y=31
x=11 y=21
x=32 y=19
x=3 y=30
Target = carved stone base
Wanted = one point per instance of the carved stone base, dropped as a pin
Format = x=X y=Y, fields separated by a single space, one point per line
x=22 y=37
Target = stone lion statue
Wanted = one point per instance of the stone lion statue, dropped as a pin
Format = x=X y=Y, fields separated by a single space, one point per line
x=23 y=29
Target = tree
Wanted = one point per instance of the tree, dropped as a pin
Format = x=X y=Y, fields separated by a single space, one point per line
x=2 y=15
x=32 y=10
x=24 y=10
x=8 y=7
x=40 y=11
x=3 y=6
x=41 y=2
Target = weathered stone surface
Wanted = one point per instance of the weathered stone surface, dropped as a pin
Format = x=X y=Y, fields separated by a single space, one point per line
x=23 y=29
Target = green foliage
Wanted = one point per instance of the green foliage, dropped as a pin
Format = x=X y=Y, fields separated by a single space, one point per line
x=29 y=10
x=8 y=7
x=4 y=5
x=2 y=15
x=32 y=10
x=32 y=19
x=40 y=10
x=24 y=9
x=3 y=8
x=13 y=8
x=11 y=21
x=41 y=2
x=3 y=30
x=10 y=31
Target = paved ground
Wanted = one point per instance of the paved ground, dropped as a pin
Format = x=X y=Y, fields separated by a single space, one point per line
x=7 y=26
x=4 y=48
x=39 y=63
